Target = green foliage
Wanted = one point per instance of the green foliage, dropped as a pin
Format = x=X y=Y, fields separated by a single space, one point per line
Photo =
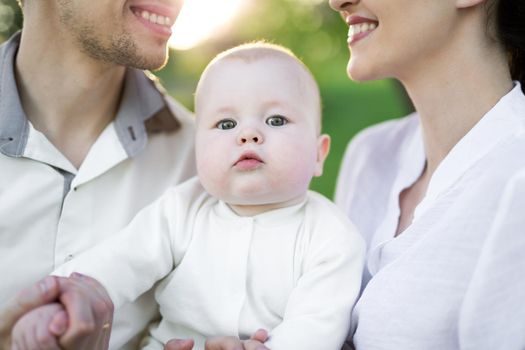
x=10 y=18
x=316 y=34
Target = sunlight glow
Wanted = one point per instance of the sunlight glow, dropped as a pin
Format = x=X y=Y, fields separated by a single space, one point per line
x=202 y=19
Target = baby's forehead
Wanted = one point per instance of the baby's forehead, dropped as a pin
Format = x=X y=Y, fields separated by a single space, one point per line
x=279 y=67
x=275 y=66
x=270 y=62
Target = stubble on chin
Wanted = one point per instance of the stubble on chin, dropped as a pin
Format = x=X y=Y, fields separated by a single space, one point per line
x=119 y=49
x=116 y=48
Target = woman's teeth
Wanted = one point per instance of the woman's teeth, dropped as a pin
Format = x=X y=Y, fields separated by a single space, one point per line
x=355 y=29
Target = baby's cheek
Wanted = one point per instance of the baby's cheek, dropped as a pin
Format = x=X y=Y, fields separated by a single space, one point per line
x=300 y=176
x=209 y=171
x=298 y=167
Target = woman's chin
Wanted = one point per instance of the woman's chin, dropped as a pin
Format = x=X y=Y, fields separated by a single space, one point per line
x=360 y=73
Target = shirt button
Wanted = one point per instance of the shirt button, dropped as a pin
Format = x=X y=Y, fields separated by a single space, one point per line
x=69 y=257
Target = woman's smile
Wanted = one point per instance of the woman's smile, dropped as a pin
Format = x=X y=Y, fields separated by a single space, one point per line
x=359 y=27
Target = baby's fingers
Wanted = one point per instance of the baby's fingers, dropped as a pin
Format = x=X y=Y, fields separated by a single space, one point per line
x=31 y=332
x=254 y=345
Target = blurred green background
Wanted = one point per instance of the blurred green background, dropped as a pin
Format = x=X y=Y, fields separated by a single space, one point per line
x=316 y=34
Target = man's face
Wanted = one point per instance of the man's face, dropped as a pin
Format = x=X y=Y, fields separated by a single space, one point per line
x=257 y=137
x=125 y=32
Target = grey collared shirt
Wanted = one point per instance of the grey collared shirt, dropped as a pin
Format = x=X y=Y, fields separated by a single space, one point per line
x=50 y=211
x=140 y=101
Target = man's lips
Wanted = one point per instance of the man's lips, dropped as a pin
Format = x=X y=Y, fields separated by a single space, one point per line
x=159 y=10
x=248 y=161
x=158 y=19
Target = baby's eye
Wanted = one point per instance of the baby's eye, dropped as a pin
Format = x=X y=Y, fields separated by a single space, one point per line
x=226 y=124
x=276 y=120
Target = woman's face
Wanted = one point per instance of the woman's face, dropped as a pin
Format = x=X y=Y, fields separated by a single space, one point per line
x=395 y=38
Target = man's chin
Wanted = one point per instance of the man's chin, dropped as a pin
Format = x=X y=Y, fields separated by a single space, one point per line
x=157 y=66
x=151 y=63
x=153 y=56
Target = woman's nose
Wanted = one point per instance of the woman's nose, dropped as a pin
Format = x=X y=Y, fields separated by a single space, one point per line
x=342 y=5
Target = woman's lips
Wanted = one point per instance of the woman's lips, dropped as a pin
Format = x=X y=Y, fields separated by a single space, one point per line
x=359 y=27
x=358 y=31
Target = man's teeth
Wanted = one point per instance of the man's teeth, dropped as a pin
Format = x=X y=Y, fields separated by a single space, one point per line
x=155 y=18
x=355 y=29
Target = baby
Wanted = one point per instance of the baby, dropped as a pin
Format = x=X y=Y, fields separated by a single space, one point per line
x=245 y=245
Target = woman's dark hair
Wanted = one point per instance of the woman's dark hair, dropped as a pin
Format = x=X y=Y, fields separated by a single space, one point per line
x=510 y=29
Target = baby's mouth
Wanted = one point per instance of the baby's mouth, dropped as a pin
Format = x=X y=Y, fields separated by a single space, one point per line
x=248 y=161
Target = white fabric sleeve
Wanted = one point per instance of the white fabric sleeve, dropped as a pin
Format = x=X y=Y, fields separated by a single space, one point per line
x=318 y=311
x=129 y=263
x=493 y=312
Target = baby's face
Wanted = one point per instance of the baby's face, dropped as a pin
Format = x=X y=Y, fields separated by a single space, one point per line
x=257 y=141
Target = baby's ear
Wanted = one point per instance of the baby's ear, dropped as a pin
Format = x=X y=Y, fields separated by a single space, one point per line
x=323 y=147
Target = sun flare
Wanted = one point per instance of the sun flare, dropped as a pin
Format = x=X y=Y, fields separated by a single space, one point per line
x=202 y=19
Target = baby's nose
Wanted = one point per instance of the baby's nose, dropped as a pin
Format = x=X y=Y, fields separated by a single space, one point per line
x=250 y=136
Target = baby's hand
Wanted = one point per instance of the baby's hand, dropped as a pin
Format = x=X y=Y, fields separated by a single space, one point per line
x=40 y=328
x=224 y=343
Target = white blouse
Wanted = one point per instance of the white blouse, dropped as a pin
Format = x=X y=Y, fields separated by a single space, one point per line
x=295 y=271
x=429 y=287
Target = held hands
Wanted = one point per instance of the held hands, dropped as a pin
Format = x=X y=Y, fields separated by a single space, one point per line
x=224 y=343
x=40 y=328
x=44 y=292
x=34 y=319
x=85 y=324
x=90 y=313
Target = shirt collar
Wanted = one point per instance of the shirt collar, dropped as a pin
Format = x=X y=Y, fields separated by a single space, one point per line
x=141 y=100
x=497 y=125
x=274 y=217
x=14 y=128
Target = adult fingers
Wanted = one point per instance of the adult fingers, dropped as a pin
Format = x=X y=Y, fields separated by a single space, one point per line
x=179 y=344
x=58 y=324
x=43 y=292
x=45 y=340
x=90 y=313
x=102 y=308
x=82 y=323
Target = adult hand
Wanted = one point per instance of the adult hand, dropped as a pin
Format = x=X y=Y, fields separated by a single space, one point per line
x=41 y=293
x=90 y=313
x=224 y=343
x=88 y=306
x=32 y=331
